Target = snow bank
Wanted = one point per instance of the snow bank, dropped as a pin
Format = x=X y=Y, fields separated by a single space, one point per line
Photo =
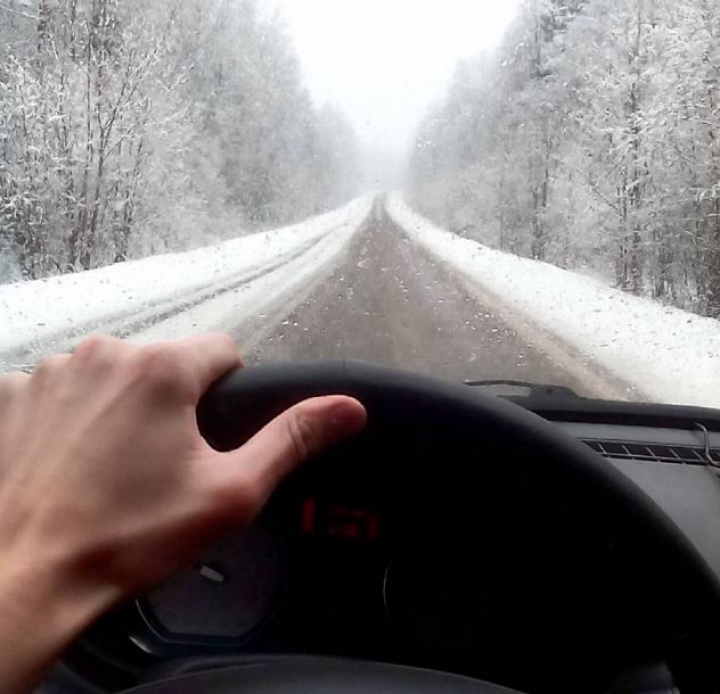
x=668 y=354
x=45 y=311
x=266 y=299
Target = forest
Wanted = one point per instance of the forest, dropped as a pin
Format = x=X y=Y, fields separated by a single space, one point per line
x=590 y=139
x=132 y=127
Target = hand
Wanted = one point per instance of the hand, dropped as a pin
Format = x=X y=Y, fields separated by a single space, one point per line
x=106 y=486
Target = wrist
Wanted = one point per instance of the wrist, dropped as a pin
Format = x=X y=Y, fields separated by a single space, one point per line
x=42 y=610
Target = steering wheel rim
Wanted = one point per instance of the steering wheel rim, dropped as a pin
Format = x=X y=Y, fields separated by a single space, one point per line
x=319 y=675
x=241 y=403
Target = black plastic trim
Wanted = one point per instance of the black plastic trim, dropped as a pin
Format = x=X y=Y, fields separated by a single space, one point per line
x=569 y=409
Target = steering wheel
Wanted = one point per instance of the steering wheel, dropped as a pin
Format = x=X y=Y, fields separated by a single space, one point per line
x=484 y=440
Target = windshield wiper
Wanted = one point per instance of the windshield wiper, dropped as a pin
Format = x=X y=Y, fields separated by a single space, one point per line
x=513 y=388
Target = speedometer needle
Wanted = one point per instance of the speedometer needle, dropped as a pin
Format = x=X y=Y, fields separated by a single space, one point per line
x=212 y=574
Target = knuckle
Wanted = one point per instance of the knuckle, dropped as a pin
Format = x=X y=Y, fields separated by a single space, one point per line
x=12 y=383
x=12 y=392
x=49 y=367
x=225 y=340
x=91 y=348
x=231 y=346
x=159 y=367
x=301 y=434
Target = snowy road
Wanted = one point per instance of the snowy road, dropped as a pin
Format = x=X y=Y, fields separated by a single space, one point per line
x=389 y=303
x=352 y=283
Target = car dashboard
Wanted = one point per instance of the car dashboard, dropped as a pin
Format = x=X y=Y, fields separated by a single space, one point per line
x=362 y=558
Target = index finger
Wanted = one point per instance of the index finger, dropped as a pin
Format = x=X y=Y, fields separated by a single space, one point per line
x=207 y=358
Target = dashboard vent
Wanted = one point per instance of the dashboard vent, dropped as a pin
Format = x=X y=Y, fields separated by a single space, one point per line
x=653 y=452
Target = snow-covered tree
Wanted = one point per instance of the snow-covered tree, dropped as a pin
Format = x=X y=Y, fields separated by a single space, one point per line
x=134 y=126
x=590 y=139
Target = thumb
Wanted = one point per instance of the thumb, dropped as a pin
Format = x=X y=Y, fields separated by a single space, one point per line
x=303 y=431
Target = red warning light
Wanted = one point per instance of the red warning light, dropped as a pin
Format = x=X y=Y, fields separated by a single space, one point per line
x=339 y=521
x=309 y=509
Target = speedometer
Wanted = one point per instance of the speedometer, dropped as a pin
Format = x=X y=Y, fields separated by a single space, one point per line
x=226 y=596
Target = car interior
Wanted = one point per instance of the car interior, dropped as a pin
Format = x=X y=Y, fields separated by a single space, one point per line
x=466 y=541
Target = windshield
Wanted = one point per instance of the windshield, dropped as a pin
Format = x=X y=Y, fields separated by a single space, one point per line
x=479 y=190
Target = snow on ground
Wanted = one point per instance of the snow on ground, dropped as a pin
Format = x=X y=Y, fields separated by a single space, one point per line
x=43 y=313
x=669 y=355
x=264 y=298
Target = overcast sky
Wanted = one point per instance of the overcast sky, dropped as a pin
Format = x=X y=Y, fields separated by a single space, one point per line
x=383 y=62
